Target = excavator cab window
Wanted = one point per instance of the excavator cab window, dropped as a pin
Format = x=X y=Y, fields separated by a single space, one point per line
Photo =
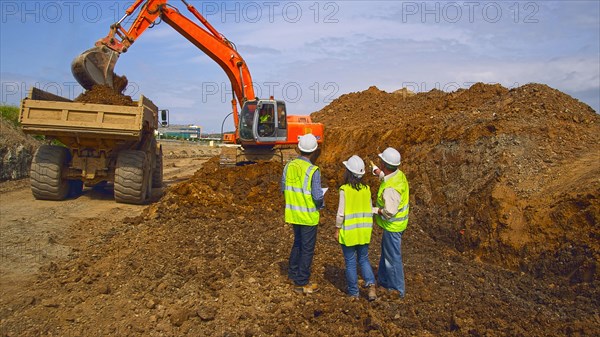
x=247 y=120
x=266 y=120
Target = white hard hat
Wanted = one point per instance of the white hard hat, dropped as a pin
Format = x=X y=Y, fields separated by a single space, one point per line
x=390 y=156
x=307 y=143
x=355 y=165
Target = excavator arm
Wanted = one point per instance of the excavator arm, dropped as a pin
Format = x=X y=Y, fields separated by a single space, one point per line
x=96 y=65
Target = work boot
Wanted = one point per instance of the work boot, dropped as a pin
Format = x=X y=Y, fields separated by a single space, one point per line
x=372 y=295
x=307 y=289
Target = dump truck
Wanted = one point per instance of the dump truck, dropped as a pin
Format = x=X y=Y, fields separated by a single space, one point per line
x=98 y=144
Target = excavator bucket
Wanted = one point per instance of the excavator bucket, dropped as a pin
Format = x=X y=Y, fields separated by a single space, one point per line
x=96 y=66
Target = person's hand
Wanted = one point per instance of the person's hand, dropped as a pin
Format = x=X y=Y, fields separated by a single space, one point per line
x=374 y=169
x=337 y=235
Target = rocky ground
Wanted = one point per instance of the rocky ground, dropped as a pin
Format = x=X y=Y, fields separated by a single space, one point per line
x=502 y=239
x=16 y=151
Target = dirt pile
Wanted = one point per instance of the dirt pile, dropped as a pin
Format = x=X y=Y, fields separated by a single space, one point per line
x=103 y=94
x=506 y=176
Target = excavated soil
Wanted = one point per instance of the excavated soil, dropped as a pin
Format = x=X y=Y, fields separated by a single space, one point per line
x=103 y=94
x=503 y=238
x=511 y=176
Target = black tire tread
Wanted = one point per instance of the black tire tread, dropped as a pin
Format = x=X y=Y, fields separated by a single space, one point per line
x=130 y=181
x=46 y=171
x=157 y=173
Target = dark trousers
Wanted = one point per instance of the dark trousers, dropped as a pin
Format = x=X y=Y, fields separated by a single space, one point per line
x=301 y=256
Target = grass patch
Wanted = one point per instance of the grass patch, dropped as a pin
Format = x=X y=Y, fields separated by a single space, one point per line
x=10 y=113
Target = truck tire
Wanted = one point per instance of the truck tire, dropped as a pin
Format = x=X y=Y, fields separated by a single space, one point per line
x=47 y=167
x=157 y=173
x=132 y=177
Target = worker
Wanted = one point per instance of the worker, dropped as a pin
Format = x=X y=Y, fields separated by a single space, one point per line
x=265 y=121
x=391 y=214
x=354 y=224
x=304 y=197
x=264 y=116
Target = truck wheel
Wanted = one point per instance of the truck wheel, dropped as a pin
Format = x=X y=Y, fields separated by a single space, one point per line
x=132 y=177
x=157 y=174
x=47 y=167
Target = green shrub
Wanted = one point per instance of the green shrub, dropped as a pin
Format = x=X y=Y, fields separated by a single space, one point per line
x=10 y=113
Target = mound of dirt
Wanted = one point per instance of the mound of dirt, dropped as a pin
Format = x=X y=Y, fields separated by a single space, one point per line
x=103 y=94
x=502 y=239
x=508 y=175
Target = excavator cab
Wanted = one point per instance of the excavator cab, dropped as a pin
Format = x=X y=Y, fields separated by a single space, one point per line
x=263 y=121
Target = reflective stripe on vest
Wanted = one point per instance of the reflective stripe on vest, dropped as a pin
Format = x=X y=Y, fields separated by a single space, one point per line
x=300 y=208
x=399 y=221
x=358 y=217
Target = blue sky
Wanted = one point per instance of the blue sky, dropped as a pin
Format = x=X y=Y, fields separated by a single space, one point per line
x=311 y=52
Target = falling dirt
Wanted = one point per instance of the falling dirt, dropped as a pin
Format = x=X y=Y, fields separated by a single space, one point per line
x=120 y=83
x=503 y=238
x=104 y=94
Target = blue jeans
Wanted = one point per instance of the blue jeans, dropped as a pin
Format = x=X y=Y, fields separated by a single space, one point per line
x=301 y=256
x=350 y=254
x=391 y=270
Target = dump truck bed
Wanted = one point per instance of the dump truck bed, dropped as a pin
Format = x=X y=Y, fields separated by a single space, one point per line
x=43 y=113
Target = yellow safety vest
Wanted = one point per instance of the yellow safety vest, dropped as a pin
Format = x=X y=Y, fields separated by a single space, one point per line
x=399 y=221
x=358 y=216
x=300 y=208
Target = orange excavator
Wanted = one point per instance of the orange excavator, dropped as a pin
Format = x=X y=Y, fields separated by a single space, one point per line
x=262 y=127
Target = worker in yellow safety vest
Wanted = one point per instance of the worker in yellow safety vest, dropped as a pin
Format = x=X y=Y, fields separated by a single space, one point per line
x=304 y=197
x=391 y=214
x=354 y=224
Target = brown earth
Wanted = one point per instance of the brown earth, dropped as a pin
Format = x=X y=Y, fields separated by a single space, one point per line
x=103 y=94
x=38 y=233
x=502 y=241
x=512 y=176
